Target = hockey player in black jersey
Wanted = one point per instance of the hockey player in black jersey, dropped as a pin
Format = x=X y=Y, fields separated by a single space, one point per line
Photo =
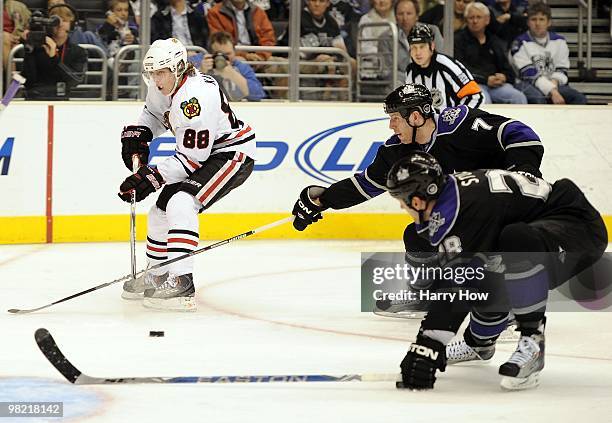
x=520 y=217
x=459 y=137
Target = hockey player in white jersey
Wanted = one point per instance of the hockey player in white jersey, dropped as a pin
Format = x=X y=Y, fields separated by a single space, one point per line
x=214 y=154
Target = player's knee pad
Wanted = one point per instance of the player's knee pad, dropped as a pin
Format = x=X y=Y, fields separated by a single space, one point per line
x=182 y=202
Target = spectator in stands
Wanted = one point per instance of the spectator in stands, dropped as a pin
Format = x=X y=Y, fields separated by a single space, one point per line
x=406 y=16
x=542 y=58
x=237 y=77
x=248 y=25
x=15 y=17
x=347 y=15
x=509 y=21
x=486 y=58
x=135 y=8
x=450 y=83
x=435 y=15
x=319 y=29
x=58 y=66
x=78 y=35
x=381 y=11
x=181 y=21
x=117 y=31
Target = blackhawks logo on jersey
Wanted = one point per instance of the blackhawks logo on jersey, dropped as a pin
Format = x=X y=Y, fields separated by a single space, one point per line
x=191 y=108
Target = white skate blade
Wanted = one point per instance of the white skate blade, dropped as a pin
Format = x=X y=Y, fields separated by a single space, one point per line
x=520 y=383
x=132 y=295
x=468 y=363
x=171 y=304
x=412 y=315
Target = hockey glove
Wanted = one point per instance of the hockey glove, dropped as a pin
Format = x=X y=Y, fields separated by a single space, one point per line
x=144 y=182
x=305 y=210
x=419 y=366
x=135 y=140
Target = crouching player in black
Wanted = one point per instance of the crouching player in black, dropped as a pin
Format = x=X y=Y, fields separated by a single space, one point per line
x=461 y=139
x=497 y=211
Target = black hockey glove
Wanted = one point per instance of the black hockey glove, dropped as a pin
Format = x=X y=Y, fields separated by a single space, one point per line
x=305 y=210
x=135 y=140
x=144 y=182
x=419 y=366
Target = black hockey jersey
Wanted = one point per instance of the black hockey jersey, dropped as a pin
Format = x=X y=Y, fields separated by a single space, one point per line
x=464 y=139
x=475 y=206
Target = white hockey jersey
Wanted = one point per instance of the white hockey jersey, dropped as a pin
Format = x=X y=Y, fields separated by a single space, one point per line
x=540 y=63
x=202 y=121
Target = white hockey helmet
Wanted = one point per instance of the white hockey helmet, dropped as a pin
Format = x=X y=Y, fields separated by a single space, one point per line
x=169 y=53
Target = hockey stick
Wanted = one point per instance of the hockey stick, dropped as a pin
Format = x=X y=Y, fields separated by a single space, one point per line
x=51 y=351
x=135 y=166
x=165 y=263
x=12 y=89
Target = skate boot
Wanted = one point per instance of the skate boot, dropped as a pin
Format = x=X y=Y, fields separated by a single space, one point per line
x=403 y=309
x=466 y=349
x=134 y=288
x=176 y=293
x=522 y=370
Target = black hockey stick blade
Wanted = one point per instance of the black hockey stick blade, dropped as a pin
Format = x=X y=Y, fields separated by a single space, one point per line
x=49 y=348
x=51 y=351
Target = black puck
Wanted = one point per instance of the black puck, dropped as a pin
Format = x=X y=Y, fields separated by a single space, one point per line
x=156 y=333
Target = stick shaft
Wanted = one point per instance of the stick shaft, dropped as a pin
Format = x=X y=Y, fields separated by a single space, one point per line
x=12 y=89
x=135 y=165
x=165 y=263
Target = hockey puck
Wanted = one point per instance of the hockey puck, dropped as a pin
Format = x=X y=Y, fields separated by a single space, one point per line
x=156 y=333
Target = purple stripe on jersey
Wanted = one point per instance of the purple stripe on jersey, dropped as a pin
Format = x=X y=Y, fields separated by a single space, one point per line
x=444 y=212
x=451 y=118
x=529 y=72
x=367 y=186
x=529 y=290
x=554 y=36
x=516 y=132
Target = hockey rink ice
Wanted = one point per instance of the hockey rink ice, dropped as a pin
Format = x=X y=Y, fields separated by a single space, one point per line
x=265 y=307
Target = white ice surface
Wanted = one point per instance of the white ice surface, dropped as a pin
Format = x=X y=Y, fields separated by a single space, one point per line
x=265 y=308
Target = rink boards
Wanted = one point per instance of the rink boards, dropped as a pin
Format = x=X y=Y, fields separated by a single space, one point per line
x=60 y=167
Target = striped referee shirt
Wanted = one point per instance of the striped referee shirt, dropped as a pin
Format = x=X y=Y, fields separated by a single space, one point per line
x=450 y=83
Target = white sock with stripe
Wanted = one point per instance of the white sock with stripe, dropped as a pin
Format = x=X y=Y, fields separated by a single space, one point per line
x=157 y=234
x=182 y=213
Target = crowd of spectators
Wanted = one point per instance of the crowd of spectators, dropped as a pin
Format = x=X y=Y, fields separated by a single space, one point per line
x=505 y=46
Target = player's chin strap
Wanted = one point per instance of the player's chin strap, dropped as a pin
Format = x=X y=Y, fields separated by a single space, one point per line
x=420 y=212
x=415 y=127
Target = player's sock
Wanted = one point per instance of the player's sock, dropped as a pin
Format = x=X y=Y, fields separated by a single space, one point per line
x=182 y=212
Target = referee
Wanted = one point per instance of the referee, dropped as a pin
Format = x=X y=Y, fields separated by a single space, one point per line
x=450 y=83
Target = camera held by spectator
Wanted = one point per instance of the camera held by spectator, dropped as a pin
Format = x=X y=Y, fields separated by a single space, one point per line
x=237 y=78
x=40 y=27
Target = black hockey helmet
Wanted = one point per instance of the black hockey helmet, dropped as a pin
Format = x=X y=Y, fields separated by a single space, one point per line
x=420 y=33
x=410 y=97
x=418 y=174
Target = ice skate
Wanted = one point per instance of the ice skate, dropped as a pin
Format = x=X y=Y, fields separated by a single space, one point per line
x=134 y=288
x=403 y=309
x=522 y=370
x=176 y=293
x=460 y=352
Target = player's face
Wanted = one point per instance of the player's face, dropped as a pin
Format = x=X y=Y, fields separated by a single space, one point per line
x=164 y=80
x=400 y=127
x=538 y=25
x=406 y=16
x=421 y=54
